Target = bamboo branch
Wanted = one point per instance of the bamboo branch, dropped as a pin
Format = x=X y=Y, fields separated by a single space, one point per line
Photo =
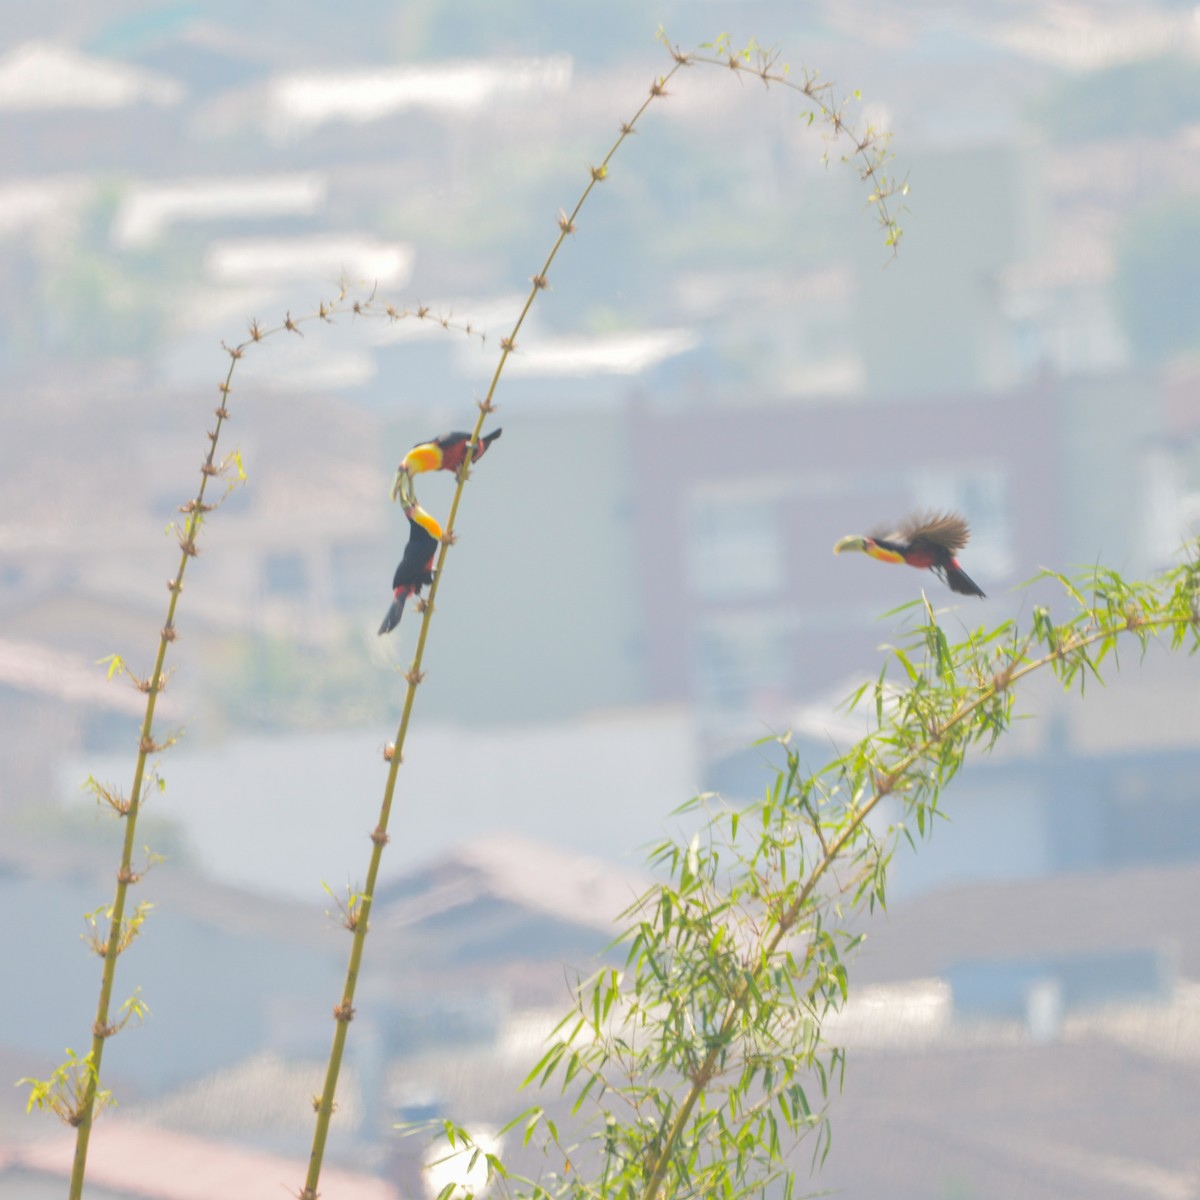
x=344 y=1012
x=82 y=1077
x=102 y=1027
x=703 y=1076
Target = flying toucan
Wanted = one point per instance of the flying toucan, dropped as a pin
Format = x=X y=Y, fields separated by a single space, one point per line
x=416 y=567
x=928 y=541
x=445 y=453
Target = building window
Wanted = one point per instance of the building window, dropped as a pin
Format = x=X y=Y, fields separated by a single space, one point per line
x=285 y=574
x=734 y=543
x=743 y=660
x=356 y=572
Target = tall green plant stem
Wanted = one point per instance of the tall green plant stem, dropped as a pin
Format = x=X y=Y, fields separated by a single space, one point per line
x=869 y=150
x=103 y=1027
x=78 y=1106
x=359 y=914
x=708 y=1068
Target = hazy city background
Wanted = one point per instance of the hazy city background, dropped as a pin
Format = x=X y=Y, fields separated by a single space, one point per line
x=728 y=373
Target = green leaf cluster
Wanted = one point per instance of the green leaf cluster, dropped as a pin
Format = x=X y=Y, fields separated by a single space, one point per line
x=697 y=1067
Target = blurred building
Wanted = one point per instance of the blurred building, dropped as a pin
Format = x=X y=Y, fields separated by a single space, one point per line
x=723 y=378
x=739 y=504
x=1068 y=989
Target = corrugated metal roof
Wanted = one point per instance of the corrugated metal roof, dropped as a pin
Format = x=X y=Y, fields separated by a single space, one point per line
x=533 y=875
x=134 y=1160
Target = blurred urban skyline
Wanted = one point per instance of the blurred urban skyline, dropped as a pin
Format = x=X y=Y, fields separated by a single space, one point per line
x=728 y=372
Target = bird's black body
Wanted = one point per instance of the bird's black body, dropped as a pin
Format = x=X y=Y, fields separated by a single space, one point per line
x=414 y=572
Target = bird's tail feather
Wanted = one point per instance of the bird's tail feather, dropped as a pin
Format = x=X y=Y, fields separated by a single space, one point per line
x=392 y=619
x=485 y=442
x=959 y=581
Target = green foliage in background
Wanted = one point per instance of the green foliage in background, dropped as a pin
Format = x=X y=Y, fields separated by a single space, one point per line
x=101 y=299
x=697 y=1068
x=272 y=682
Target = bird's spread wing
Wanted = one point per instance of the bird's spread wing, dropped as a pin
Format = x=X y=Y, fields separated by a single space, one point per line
x=945 y=531
x=444 y=440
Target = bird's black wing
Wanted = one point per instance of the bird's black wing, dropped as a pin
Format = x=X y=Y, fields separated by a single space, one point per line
x=413 y=570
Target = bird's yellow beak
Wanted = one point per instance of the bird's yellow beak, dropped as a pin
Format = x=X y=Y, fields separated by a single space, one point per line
x=854 y=542
x=402 y=487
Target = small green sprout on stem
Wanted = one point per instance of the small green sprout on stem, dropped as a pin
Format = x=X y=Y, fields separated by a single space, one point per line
x=72 y=1087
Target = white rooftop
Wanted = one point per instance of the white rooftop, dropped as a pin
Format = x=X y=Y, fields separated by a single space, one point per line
x=304 y=100
x=45 y=75
x=32 y=203
x=149 y=208
x=603 y=786
x=39 y=670
x=1088 y=37
x=321 y=257
x=603 y=354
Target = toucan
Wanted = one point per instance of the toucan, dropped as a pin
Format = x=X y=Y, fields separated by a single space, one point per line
x=928 y=541
x=445 y=453
x=416 y=567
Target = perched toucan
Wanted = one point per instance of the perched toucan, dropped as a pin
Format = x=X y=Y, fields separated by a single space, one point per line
x=445 y=453
x=926 y=541
x=416 y=567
